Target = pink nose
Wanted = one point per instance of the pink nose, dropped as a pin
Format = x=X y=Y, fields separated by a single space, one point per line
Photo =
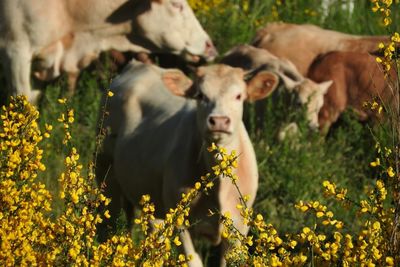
x=210 y=51
x=219 y=123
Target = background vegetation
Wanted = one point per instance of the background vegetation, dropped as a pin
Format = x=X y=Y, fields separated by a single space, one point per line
x=290 y=171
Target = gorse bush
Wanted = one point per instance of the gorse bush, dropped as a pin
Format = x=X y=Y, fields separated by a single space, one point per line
x=30 y=236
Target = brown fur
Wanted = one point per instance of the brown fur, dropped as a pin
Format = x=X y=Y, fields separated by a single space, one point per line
x=301 y=44
x=309 y=93
x=357 y=78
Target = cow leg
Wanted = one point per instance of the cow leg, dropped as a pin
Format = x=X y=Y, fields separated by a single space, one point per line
x=224 y=247
x=216 y=258
x=189 y=248
x=129 y=212
x=17 y=66
x=72 y=80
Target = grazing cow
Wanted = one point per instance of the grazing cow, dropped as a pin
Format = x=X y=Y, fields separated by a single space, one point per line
x=67 y=34
x=157 y=141
x=357 y=78
x=308 y=92
x=301 y=44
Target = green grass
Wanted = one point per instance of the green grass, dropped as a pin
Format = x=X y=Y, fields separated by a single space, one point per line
x=290 y=171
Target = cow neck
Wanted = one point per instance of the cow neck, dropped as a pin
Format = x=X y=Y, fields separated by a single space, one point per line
x=246 y=171
x=104 y=12
x=209 y=157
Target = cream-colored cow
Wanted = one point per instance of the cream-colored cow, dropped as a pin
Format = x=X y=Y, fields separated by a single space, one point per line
x=67 y=34
x=157 y=140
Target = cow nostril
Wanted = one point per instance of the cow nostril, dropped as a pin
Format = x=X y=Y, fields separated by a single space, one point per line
x=211 y=121
x=227 y=121
x=209 y=44
x=210 y=51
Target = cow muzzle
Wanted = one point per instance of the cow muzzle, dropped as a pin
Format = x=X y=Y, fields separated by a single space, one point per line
x=219 y=124
x=210 y=51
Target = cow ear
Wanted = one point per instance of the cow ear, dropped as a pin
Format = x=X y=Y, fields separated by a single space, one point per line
x=176 y=82
x=324 y=87
x=261 y=85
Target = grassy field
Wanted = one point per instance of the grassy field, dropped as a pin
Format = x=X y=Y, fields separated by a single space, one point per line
x=291 y=170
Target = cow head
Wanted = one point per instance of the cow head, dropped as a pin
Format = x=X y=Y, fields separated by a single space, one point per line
x=308 y=93
x=312 y=94
x=220 y=91
x=171 y=26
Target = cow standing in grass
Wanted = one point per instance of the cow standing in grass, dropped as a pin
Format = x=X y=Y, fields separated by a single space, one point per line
x=158 y=131
x=68 y=34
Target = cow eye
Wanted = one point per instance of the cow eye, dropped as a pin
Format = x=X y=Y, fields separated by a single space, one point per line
x=178 y=6
x=239 y=97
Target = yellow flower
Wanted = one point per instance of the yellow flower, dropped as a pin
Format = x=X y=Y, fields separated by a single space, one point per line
x=213 y=147
x=389 y=261
x=376 y=163
x=197 y=185
x=177 y=241
x=390 y=172
x=396 y=37
x=376 y=226
x=181 y=257
x=107 y=214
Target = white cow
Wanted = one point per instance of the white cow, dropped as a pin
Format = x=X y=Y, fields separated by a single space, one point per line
x=156 y=141
x=68 y=34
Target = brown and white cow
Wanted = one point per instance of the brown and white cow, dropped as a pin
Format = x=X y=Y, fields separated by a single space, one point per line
x=357 y=78
x=308 y=93
x=67 y=34
x=157 y=141
x=302 y=43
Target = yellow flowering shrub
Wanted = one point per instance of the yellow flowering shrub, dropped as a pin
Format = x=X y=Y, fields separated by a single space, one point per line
x=29 y=233
x=31 y=236
x=23 y=202
x=241 y=11
x=389 y=50
x=205 y=6
x=372 y=246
